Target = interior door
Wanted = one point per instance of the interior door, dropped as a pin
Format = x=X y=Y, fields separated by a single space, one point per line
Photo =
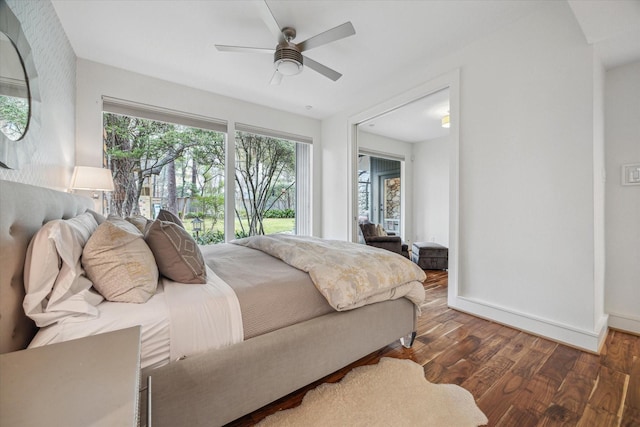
x=389 y=202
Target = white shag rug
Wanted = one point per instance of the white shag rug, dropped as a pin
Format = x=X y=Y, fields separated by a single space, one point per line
x=392 y=393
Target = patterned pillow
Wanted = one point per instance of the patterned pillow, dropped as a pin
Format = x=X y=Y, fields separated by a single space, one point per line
x=177 y=255
x=165 y=215
x=119 y=263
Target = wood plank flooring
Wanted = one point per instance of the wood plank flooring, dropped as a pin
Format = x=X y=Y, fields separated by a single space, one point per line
x=517 y=379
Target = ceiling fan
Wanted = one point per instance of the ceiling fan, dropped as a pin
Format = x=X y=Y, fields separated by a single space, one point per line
x=288 y=59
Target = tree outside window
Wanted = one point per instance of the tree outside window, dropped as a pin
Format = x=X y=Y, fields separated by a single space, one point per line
x=158 y=165
x=265 y=183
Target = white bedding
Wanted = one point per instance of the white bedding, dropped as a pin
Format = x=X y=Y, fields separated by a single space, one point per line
x=179 y=320
x=202 y=317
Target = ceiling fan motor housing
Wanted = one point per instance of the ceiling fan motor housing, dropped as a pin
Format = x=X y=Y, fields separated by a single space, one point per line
x=287 y=59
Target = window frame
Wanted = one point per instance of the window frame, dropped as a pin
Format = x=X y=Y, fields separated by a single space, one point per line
x=304 y=172
x=304 y=154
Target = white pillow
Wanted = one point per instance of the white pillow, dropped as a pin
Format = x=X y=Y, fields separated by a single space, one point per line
x=55 y=284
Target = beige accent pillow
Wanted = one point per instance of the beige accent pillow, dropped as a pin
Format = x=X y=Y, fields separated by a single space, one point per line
x=380 y=231
x=177 y=255
x=119 y=262
x=55 y=285
x=140 y=222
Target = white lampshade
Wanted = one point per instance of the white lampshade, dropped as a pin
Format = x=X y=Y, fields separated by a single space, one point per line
x=91 y=178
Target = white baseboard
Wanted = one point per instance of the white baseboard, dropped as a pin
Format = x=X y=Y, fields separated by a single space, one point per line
x=625 y=322
x=589 y=340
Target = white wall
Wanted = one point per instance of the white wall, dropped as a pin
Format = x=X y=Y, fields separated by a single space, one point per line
x=96 y=80
x=52 y=163
x=431 y=191
x=335 y=177
x=599 y=178
x=526 y=175
x=622 y=134
x=385 y=145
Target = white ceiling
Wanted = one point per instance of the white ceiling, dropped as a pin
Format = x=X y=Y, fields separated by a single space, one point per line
x=174 y=40
x=612 y=27
x=416 y=121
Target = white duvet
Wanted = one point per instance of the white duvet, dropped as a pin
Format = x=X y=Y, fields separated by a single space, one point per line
x=348 y=275
x=179 y=320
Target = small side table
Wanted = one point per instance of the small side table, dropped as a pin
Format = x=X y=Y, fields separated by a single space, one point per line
x=91 y=381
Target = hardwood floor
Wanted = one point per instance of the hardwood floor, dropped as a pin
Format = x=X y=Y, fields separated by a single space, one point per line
x=517 y=379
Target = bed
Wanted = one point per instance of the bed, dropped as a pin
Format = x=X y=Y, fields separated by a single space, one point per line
x=214 y=387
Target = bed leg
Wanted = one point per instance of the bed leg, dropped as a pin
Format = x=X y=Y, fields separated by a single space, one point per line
x=407 y=340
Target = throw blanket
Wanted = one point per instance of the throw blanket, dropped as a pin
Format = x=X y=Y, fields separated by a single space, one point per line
x=348 y=275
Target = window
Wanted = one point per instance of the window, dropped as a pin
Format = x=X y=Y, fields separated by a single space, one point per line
x=166 y=160
x=272 y=179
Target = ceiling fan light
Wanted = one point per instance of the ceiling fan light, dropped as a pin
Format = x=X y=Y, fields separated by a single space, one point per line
x=288 y=67
x=445 y=122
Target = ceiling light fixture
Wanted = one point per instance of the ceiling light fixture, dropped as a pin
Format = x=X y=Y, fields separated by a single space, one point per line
x=287 y=58
x=445 y=122
x=288 y=67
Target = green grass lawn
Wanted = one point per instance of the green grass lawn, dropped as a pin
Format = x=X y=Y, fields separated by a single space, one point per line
x=275 y=225
x=271 y=225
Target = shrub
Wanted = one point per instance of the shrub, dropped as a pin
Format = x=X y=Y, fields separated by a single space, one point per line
x=280 y=213
x=194 y=215
x=213 y=237
x=240 y=234
x=210 y=237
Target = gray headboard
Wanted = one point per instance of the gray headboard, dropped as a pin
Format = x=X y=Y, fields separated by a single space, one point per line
x=23 y=210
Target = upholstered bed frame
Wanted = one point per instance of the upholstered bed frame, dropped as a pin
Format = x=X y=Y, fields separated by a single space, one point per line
x=23 y=210
x=211 y=388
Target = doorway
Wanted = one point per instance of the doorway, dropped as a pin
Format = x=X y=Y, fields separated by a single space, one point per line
x=380 y=191
x=412 y=184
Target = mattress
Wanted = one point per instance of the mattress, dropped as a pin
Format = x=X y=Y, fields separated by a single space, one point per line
x=270 y=294
x=178 y=320
x=151 y=316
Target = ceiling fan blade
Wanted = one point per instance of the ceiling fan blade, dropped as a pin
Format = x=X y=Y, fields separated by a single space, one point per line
x=276 y=78
x=270 y=20
x=337 y=33
x=244 y=49
x=322 y=69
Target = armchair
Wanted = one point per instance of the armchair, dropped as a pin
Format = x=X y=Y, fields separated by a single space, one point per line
x=375 y=235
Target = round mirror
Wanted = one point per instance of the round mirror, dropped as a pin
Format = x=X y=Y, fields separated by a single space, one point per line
x=14 y=92
x=19 y=94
